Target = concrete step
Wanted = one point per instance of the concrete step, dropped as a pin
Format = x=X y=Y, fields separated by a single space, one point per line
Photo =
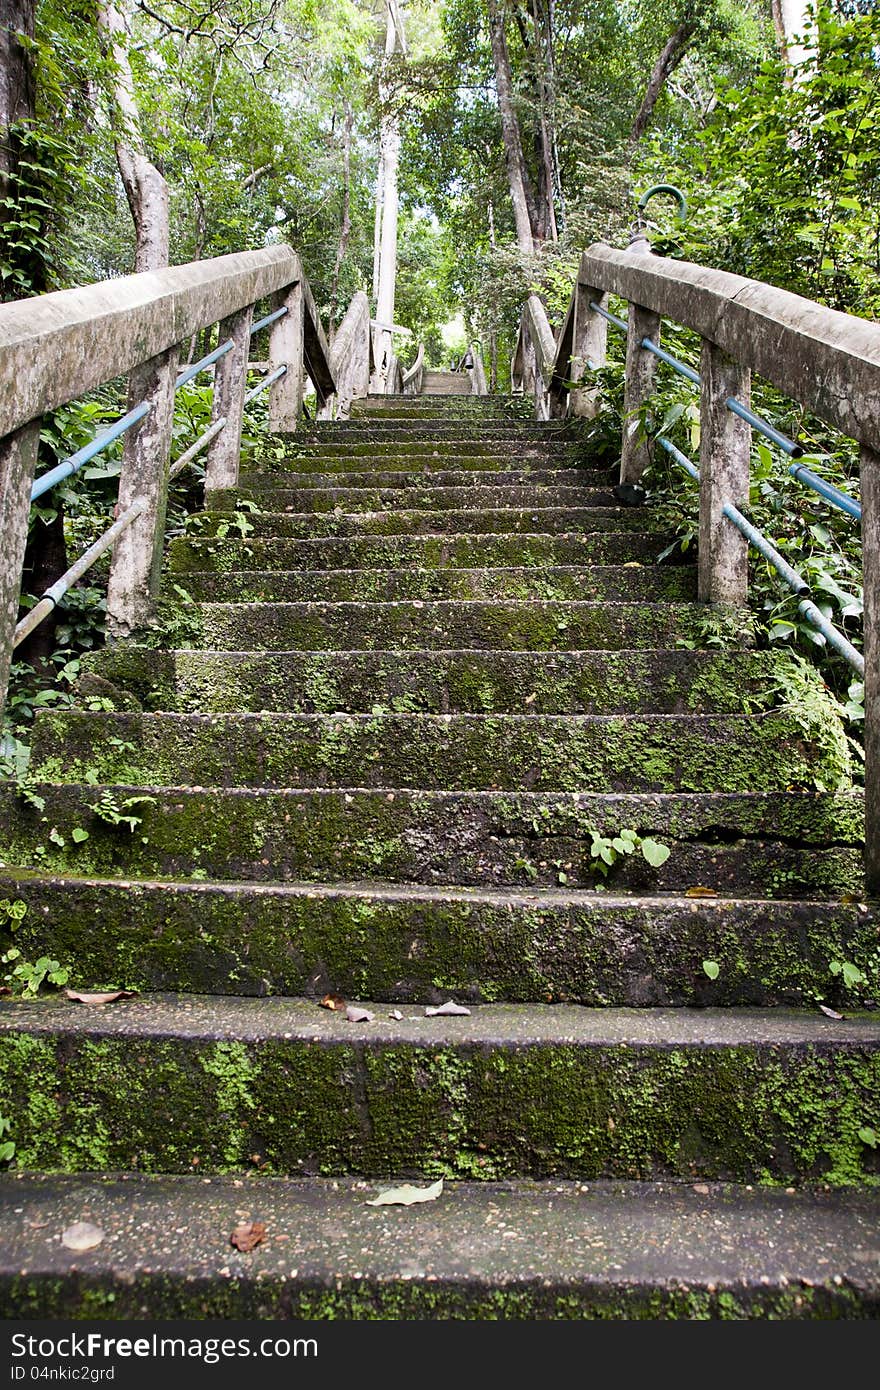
x=282 y=497
x=607 y=1250
x=165 y=1083
x=503 y=520
x=533 y=752
x=360 y=431
x=612 y=583
x=407 y=446
x=253 y=484
x=537 y=463
x=443 y=682
x=434 y=551
x=413 y=942
x=739 y=844
x=554 y=625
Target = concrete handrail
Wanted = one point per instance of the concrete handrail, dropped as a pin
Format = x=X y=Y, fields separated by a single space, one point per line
x=56 y=347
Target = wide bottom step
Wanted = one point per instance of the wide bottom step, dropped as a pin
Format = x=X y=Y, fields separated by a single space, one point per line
x=477 y=1251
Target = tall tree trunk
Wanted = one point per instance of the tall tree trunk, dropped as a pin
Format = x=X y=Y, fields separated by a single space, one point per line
x=145 y=188
x=673 y=51
x=517 y=175
x=790 y=21
x=17 y=86
x=543 y=62
x=345 y=228
x=45 y=558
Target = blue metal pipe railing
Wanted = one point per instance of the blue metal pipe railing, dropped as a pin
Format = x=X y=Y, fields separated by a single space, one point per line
x=88 y=451
x=101 y=441
x=270 y=318
x=267 y=381
x=189 y=372
x=832 y=494
x=795 y=581
x=782 y=441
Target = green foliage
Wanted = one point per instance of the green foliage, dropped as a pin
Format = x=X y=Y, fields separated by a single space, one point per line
x=113 y=812
x=606 y=850
x=26 y=978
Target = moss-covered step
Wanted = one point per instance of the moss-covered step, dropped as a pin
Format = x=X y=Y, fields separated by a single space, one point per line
x=407 y=943
x=490 y=1251
x=398 y=445
x=429 y=499
x=488 y=466
x=429 y=624
x=230 y=1084
x=463 y=521
x=479 y=682
x=733 y=843
x=254 y=483
x=532 y=752
x=417 y=552
x=258 y=484
x=602 y=583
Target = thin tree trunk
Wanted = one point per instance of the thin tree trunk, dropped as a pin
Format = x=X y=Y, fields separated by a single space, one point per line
x=510 y=132
x=145 y=188
x=543 y=40
x=673 y=51
x=345 y=228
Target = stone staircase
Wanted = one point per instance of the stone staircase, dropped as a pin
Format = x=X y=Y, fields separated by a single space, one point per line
x=432 y=724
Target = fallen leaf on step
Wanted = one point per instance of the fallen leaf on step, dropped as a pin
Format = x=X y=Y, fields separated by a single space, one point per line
x=106 y=997
x=396 y=1014
x=82 y=1235
x=407 y=1195
x=701 y=1188
x=333 y=1001
x=698 y=891
x=830 y=1013
x=247 y=1235
x=356 y=1015
x=450 y=1007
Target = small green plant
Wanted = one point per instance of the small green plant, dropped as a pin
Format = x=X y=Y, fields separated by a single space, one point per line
x=114 y=812
x=26 y=978
x=867 y=1134
x=712 y=969
x=7 y=1147
x=606 y=850
x=851 y=975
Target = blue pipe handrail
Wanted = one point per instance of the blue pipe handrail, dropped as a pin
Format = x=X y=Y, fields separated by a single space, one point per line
x=782 y=441
x=796 y=582
x=835 y=495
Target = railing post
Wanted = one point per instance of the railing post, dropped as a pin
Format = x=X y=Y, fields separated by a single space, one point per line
x=137 y=558
x=870 y=490
x=589 y=346
x=725 y=444
x=286 y=343
x=18 y=459
x=641 y=368
x=221 y=465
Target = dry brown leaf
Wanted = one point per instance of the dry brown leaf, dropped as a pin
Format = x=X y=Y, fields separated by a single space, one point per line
x=247 y=1235
x=702 y=1188
x=450 y=1007
x=357 y=1015
x=698 y=891
x=407 y=1195
x=333 y=1001
x=830 y=1013
x=396 y=1014
x=101 y=996
x=82 y=1235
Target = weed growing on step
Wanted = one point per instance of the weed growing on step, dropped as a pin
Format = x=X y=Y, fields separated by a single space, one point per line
x=26 y=978
x=606 y=850
x=7 y=1147
x=115 y=813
